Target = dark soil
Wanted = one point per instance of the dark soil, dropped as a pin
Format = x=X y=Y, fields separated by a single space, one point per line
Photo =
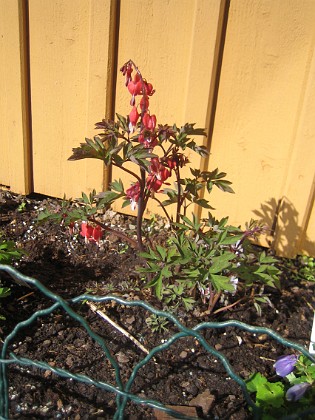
x=185 y=374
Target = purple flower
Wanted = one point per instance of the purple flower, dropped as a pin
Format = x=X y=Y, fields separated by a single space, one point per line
x=285 y=364
x=297 y=391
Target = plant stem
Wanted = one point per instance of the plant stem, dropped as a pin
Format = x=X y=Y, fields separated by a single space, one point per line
x=141 y=208
x=179 y=203
x=213 y=301
x=226 y=308
x=128 y=171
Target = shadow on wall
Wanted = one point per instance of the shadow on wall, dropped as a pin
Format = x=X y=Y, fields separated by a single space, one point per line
x=287 y=238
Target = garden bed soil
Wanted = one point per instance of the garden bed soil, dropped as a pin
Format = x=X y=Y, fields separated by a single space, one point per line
x=183 y=375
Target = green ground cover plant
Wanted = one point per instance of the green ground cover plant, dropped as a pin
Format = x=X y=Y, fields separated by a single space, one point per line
x=292 y=393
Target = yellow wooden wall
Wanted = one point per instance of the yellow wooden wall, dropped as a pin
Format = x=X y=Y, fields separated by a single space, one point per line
x=244 y=69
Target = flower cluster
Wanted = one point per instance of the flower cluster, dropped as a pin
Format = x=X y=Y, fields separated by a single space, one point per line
x=138 y=86
x=91 y=233
x=142 y=121
x=284 y=366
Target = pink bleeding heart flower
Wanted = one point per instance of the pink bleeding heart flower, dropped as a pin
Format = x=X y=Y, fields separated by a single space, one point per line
x=97 y=234
x=160 y=171
x=133 y=193
x=133 y=118
x=149 y=121
x=135 y=88
x=91 y=233
x=153 y=183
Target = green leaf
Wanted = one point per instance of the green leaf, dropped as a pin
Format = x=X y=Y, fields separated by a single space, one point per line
x=46 y=215
x=117 y=186
x=123 y=122
x=90 y=149
x=166 y=273
x=99 y=142
x=107 y=197
x=188 y=303
x=190 y=273
x=221 y=262
x=172 y=200
x=271 y=394
x=139 y=154
x=268 y=394
x=8 y=252
x=231 y=240
x=157 y=283
x=266 y=259
x=224 y=186
x=195 y=172
x=221 y=283
x=125 y=203
x=85 y=198
x=92 y=145
x=203 y=203
x=270 y=281
x=256 y=381
x=4 y=292
x=152 y=268
x=161 y=251
x=151 y=255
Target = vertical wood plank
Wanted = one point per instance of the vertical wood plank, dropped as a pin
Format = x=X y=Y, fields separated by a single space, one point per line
x=25 y=97
x=70 y=75
x=15 y=168
x=299 y=190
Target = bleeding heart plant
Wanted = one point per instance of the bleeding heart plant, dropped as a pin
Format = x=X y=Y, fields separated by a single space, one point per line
x=158 y=154
x=210 y=258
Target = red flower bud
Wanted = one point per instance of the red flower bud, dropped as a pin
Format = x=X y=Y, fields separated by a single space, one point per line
x=148 y=88
x=126 y=71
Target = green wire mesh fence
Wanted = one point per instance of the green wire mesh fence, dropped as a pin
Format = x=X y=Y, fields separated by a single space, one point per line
x=121 y=389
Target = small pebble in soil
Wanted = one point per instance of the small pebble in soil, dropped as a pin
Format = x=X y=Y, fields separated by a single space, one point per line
x=239 y=339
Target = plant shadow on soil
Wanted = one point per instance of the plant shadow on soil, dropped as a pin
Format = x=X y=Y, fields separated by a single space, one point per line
x=184 y=374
